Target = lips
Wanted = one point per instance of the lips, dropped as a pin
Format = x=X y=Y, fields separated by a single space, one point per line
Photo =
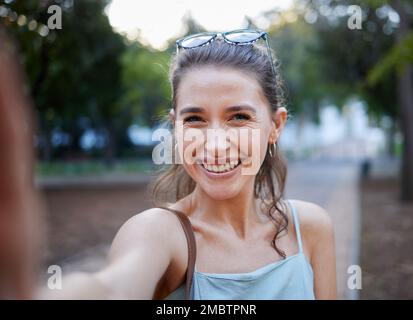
x=221 y=168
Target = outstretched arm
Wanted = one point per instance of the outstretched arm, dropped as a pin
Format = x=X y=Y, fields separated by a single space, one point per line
x=140 y=255
x=19 y=202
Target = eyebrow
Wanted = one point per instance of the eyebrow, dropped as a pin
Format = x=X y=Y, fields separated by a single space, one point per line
x=227 y=110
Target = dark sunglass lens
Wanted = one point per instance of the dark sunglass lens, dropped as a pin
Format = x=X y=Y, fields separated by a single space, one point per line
x=245 y=36
x=195 y=41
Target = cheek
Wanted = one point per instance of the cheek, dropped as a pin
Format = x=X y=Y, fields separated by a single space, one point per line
x=254 y=145
x=190 y=144
x=189 y=152
x=187 y=155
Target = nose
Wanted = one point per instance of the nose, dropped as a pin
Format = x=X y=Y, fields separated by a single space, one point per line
x=216 y=144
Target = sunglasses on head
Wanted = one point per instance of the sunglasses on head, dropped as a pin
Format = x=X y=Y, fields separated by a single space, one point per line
x=236 y=37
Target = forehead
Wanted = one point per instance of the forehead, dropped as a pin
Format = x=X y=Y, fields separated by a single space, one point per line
x=211 y=86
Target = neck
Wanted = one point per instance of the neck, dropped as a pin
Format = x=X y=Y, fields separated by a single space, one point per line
x=238 y=214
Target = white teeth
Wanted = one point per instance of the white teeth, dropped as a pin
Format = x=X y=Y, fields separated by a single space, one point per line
x=221 y=168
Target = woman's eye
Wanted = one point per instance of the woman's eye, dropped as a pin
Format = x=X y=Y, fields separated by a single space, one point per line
x=241 y=117
x=192 y=119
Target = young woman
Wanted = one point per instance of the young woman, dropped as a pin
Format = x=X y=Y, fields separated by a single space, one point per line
x=251 y=242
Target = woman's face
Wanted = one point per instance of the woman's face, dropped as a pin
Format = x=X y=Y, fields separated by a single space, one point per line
x=225 y=126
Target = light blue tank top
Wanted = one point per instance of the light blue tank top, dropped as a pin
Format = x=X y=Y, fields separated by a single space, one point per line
x=288 y=279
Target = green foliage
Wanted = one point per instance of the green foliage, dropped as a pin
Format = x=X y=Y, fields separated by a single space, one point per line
x=145 y=83
x=397 y=58
x=296 y=46
x=75 y=71
x=349 y=55
x=88 y=71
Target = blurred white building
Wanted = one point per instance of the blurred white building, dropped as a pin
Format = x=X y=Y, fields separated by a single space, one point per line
x=345 y=134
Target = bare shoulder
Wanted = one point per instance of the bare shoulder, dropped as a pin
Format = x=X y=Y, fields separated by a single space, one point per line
x=312 y=215
x=316 y=224
x=155 y=226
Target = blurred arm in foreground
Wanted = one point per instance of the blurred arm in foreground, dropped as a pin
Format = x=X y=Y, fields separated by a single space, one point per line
x=19 y=204
x=21 y=216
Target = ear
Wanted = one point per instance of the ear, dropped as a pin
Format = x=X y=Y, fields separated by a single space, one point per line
x=279 y=119
x=172 y=116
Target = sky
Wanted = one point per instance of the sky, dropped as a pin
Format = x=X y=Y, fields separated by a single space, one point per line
x=156 y=21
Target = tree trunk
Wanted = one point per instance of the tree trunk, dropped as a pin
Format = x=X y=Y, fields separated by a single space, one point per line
x=110 y=149
x=391 y=138
x=45 y=135
x=405 y=96
x=405 y=86
x=47 y=147
x=74 y=151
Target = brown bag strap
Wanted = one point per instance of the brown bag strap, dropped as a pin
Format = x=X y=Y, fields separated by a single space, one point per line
x=190 y=237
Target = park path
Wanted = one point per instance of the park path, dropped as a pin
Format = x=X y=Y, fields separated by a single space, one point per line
x=334 y=185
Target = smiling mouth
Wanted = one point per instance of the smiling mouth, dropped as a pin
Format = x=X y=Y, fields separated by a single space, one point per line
x=221 y=168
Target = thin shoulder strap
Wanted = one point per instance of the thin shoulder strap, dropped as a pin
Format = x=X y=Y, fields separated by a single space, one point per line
x=297 y=226
x=190 y=237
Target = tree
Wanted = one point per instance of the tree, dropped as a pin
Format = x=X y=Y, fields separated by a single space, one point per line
x=145 y=83
x=74 y=73
x=364 y=61
x=296 y=47
x=398 y=60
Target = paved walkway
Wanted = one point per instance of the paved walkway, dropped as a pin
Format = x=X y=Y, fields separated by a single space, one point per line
x=333 y=184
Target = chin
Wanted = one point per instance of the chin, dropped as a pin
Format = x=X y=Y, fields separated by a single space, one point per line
x=220 y=192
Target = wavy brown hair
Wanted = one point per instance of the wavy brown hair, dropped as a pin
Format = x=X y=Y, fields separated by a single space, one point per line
x=270 y=180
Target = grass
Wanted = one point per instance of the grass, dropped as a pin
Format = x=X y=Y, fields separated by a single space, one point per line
x=398 y=149
x=94 y=168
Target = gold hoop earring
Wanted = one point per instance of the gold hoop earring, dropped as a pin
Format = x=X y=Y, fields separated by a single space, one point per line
x=269 y=149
